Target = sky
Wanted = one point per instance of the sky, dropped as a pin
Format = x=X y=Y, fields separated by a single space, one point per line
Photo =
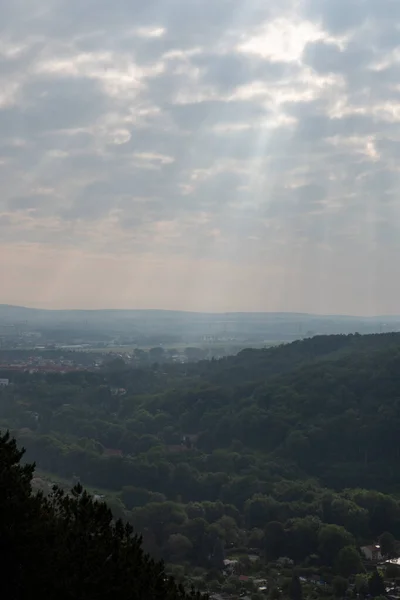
x=207 y=155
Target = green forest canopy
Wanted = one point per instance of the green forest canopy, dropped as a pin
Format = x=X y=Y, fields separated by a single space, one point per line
x=302 y=438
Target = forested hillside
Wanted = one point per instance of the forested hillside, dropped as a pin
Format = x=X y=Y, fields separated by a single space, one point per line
x=290 y=451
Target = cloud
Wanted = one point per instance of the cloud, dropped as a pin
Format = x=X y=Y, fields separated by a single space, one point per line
x=208 y=137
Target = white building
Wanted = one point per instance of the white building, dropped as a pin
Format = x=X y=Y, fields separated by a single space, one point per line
x=4 y=382
x=372 y=552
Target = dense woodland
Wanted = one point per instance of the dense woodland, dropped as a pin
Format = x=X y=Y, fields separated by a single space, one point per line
x=291 y=451
x=67 y=545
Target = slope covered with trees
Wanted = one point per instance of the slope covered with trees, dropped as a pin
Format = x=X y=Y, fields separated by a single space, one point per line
x=289 y=451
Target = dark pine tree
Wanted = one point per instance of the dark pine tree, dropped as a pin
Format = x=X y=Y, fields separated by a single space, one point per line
x=295 y=589
x=67 y=546
x=376 y=584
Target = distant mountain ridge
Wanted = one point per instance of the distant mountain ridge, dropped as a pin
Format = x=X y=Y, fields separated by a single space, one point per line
x=174 y=326
x=10 y=308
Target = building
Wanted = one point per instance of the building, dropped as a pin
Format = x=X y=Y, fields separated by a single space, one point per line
x=372 y=552
x=118 y=391
x=112 y=452
x=253 y=558
x=4 y=382
x=230 y=565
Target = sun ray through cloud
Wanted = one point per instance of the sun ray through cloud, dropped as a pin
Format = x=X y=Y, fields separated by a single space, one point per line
x=238 y=153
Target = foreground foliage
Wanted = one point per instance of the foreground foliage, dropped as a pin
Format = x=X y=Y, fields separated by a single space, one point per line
x=66 y=546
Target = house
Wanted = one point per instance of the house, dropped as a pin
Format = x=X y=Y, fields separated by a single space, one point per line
x=284 y=561
x=372 y=552
x=118 y=391
x=34 y=415
x=261 y=584
x=253 y=558
x=191 y=437
x=176 y=448
x=112 y=452
x=230 y=565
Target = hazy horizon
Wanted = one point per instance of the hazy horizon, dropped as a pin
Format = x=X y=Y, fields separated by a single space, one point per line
x=209 y=156
x=194 y=312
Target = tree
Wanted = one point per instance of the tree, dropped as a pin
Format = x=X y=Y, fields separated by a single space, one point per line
x=348 y=561
x=159 y=518
x=274 y=593
x=392 y=571
x=361 y=585
x=376 y=584
x=388 y=545
x=116 y=365
x=229 y=587
x=157 y=354
x=140 y=356
x=302 y=537
x=256 y=539
x=340 y=586
x=297 y=444
x=134 y=497
x=230 y=530
x=178 y=547
x=117 y=508
x=332 y=538
x=193 y=354
x=295 y=589
x=218 y=554
x=67 y=545
x=274 y=540
x=195 y=510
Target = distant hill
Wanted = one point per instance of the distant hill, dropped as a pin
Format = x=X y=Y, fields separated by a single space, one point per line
x=274 y=326
x=7 y=310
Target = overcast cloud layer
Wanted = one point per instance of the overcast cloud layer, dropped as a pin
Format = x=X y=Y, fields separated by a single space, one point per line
x=201 y=154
